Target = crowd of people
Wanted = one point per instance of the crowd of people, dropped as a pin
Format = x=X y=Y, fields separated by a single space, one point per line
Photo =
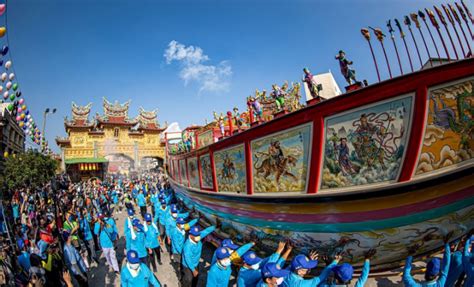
x=54 y=236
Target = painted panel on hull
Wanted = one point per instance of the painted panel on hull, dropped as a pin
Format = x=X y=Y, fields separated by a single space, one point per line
x=366 y=145
x=206 y=171
x=182 y=171
x=230 y=169
x=176 y=170
x=205 y=139
x=193 y=172
x=281 y=160
x=449 y=132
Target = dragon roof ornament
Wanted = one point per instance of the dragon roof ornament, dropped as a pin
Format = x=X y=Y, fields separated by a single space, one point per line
x=115 y=109
x=147 y=117
x=81 y=113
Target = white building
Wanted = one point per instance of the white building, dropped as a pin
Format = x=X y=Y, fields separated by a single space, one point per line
x=329 y=85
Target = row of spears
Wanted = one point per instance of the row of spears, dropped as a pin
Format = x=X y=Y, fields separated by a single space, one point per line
x=453 y=18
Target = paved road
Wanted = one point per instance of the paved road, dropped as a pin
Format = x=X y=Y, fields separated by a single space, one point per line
x=103 y=276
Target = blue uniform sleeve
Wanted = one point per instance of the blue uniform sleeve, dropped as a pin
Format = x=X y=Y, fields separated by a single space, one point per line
x=407 y=279
x=207 y=231
x=445 y=265
x=97 y=228
x=244 y=248
x=466 y=248
x=466 y=258
x=365 y=274
x=271 y=259
x=152 y=278
x=323 y=276
x=183 y=215
x=191 y=223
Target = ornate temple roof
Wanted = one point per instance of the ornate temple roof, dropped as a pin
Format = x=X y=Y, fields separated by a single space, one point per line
x=115 y=113
x=147 y=120
x=80 y=117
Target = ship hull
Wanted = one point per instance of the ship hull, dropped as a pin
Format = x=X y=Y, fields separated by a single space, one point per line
x=389 y=220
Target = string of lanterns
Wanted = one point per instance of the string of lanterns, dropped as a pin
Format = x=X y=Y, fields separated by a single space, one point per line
x=10 y=89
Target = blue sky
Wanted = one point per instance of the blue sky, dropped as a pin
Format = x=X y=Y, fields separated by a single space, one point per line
x=81 y=51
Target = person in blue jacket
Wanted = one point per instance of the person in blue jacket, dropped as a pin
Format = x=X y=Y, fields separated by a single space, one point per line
x=178 y=236
x=141 y=202
x=170 y=223
x=85 y=221
x=251 y=271
x=301 y=265
x=468 y=262
x=226 y=243
x=154 y=200
x=136 y=274
x=128 y=225
x=137 y=240
x=436 y=271
x=273 y=275
x=160 y=217
x=343 y=273
x=192 y=254
x=106 y=230
x=152 y=240
x=219 y=274
x=455 y=266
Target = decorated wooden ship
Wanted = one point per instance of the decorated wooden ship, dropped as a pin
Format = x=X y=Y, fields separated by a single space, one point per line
x=384 y=166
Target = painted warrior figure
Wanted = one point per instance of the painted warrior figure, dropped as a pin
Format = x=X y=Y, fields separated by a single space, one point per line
x=276 y=153
x=220 y=122
x=279 y=95
x=312 y=85
x=343 y=156
x=238 y=120
x=344 y=64
x=257 y=109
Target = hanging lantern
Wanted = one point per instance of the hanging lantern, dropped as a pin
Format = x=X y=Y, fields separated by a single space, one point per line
x=1 y=89
x=19 y=109
x=18 y=118
x=3 y=31
x=10 y=107
x=21 y=124
x=4 y=77
x=21 y=101
x=11 y=76
x=12 y=97
x=5 y=50
x=22 y=116
x=5 y=154
x=8 y=64
x=5 y=95
x=18 y=94
x=23 y=107
x=3 y=8
x=8 y=85
x=15 y=86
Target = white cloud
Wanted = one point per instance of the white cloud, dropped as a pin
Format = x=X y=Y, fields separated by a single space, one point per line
x=212 y=78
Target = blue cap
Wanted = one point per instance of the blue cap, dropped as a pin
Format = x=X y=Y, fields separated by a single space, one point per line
x=433 y=267
x=301 y=261
x=163 y=202
x=148 y=217
x=251 y=258
x=130 y=212
x=274 y=270
x=136 y=223
x=161 y=196
x=228 y=243
x=180 y=220
x=195 y=231
x=174 y=209
x=344 y=271
x=132 y=257
x=66 y=235
x=222 y=253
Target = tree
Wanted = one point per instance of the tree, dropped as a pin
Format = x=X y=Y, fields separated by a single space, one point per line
x=29 y=169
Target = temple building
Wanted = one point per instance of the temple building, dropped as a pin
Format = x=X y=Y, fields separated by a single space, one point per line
x=110 y=143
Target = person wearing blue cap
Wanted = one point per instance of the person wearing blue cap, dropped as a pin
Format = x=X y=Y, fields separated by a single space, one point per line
x=152 y=240
x=343 y=273
x=251 y=271
x=468 y=261
x=273 y=275
x=219 y=274
x=137 y=236
x=160 y=217
x=177 y=236
x=127 y=227
x=154 y=200
x=192 y=254
x=106 y=230
x=436 y=271
x=136 y=274
x=171 y=222
x=24 y=257
x=231 y=247
x=141 y=202
x=74 y=261
x=455 y=266
x=85 y=222
x=301 y=265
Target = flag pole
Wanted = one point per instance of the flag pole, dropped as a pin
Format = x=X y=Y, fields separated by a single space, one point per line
x=414 y=18
x=402 y=35
x=423 y=17
x=365 y=32
x=407 y=22
x=435 y=24
x=392 y=36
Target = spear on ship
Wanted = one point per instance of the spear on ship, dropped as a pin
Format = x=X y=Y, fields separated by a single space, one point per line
x=451 y=20
x=435 y=24
x=414 y=18
x=407 y=22
x=392 y=35
x=423 y=17
x=380 y=35
x=365 y=32
x=402 y=35
x=443 y=21
x=464 y=17
x=468 y=12
x=456 y=17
